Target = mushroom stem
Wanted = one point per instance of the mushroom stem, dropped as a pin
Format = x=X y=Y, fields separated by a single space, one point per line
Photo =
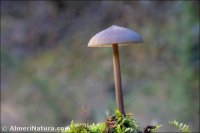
x=117 y=76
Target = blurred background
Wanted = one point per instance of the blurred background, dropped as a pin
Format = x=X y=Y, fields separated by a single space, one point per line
x=48 y=74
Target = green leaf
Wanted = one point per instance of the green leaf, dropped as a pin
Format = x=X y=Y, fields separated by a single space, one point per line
x=180 y=126
x=117 y=113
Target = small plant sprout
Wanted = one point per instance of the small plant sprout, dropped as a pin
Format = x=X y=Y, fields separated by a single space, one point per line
x=115 y=36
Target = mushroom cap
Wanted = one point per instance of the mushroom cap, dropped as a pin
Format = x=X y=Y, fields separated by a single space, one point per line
x=115 y=35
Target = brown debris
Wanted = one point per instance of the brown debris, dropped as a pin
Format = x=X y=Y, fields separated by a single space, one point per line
x=149 y=128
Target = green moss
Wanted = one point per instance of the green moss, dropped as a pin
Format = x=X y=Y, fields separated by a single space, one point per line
x=114 y=124
x=119 y=124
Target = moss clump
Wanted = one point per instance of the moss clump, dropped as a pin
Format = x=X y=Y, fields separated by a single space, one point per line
x=119 y=124
x=114 y=124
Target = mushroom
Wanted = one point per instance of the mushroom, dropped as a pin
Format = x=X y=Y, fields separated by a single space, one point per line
x=115 y=36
